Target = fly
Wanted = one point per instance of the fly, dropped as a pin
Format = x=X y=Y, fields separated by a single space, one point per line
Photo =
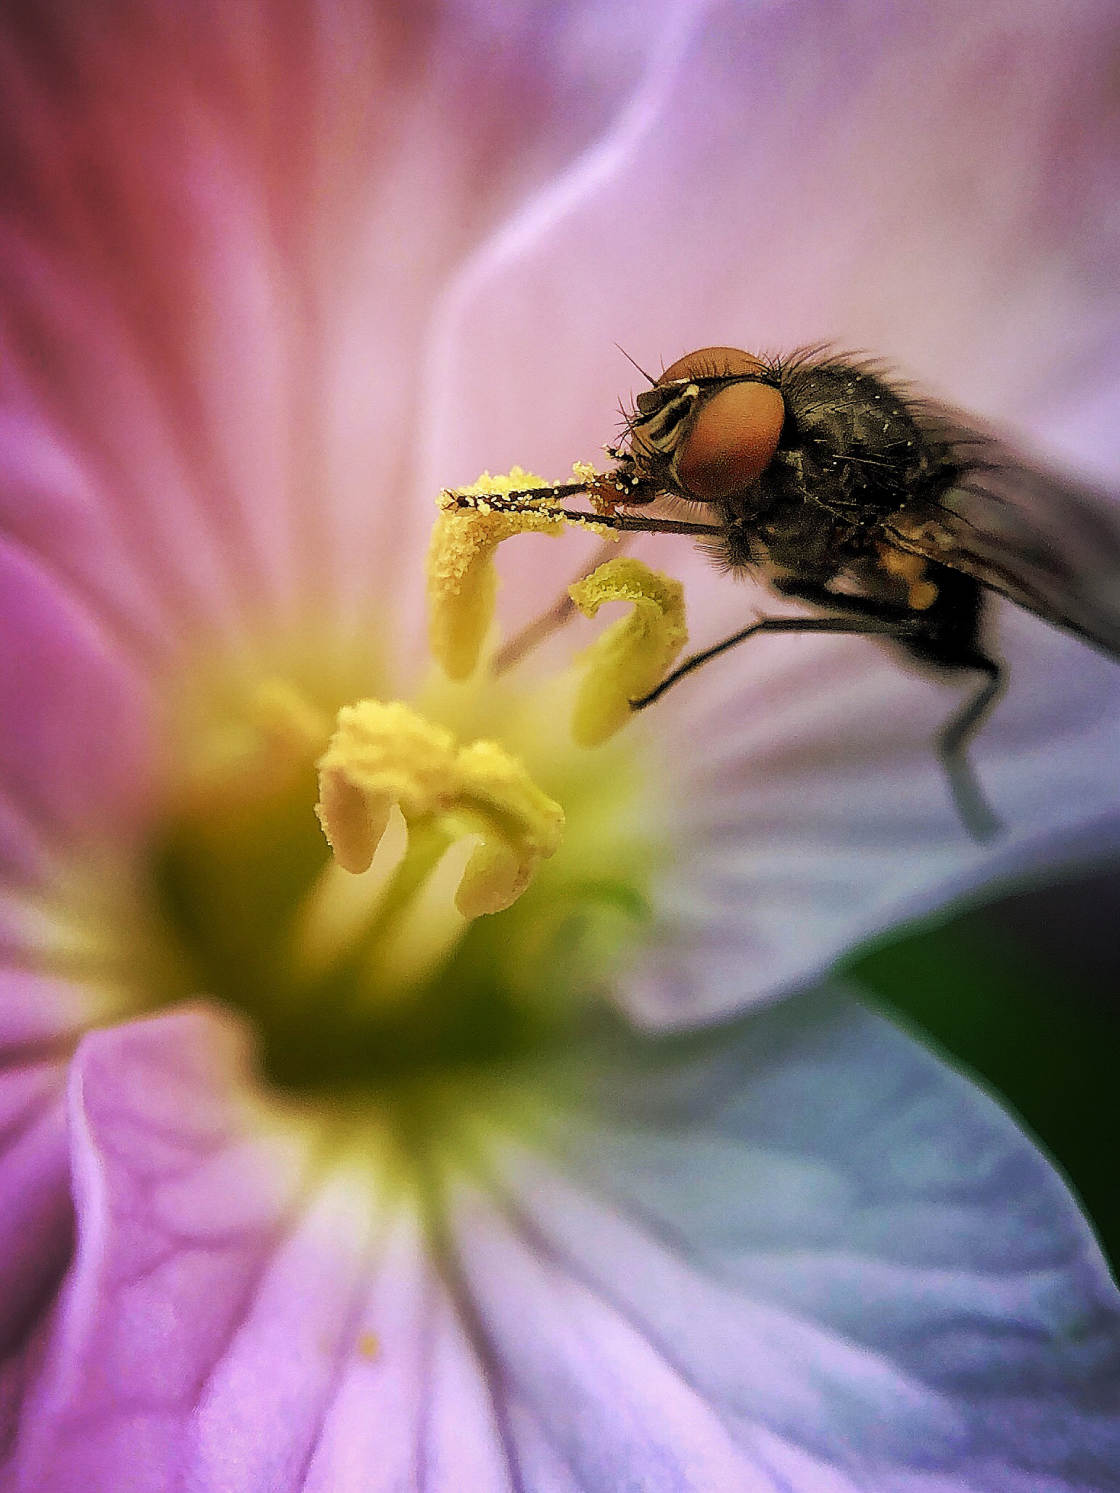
x=889 y=515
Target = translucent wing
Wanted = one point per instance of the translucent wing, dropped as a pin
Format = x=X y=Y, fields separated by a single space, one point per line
x=1047 y=541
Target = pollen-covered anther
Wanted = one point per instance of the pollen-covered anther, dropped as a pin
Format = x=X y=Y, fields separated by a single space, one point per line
x=380 y=755
x=634 y=654
x=385 y=754
x=462 y=580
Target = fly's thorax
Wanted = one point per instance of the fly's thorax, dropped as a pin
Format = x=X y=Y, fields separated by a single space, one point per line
x=854 y=443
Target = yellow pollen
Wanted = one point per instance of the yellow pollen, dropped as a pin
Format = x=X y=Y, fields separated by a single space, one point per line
x=385 y=754
x=633 y=655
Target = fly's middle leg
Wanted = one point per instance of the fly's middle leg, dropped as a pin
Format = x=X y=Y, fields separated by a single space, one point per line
x=889 y=627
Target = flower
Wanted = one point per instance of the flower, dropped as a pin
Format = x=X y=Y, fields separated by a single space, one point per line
x=270 y=280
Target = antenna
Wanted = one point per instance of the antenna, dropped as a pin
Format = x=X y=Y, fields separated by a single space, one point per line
x=648 y=377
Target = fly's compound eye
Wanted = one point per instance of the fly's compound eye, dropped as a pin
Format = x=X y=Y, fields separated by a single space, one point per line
x=731 y=442
x=713 y=362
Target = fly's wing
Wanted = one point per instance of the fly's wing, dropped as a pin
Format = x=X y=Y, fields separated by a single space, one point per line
x=1047 y=541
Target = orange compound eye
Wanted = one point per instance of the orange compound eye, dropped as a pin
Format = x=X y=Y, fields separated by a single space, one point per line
x=732 y=441
x=721 y=361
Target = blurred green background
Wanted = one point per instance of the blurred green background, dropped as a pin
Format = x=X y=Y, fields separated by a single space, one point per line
x=1025 y=993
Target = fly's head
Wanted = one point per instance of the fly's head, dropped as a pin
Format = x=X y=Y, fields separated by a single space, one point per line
x=707 y=429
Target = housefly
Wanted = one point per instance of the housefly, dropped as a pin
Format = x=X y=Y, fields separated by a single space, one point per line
x=888 y=515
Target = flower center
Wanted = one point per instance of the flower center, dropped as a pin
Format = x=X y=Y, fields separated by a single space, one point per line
x=391 y=889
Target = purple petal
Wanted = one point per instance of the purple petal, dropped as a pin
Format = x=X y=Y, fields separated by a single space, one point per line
x=42 y=1020
x=934 y=188
x=75 y=751
x=798 y=1254
x=35 y=1212
x=816 y=814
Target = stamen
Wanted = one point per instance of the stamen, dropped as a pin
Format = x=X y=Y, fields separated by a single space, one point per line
x=607 y=492
x=562 y=610
x=633 y=655
x=381 y=754
x=473 y=521
x=520 y=826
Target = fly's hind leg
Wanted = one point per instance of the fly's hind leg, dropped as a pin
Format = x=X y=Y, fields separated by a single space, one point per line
x=946 y=636
x=865 y=616
x=953 y=740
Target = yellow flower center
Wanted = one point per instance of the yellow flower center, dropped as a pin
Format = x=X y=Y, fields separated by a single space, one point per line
x=389 y=889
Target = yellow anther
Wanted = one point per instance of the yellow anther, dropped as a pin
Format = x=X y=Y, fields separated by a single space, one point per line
x=383 y=754
x=632 y=655
x=462 y=580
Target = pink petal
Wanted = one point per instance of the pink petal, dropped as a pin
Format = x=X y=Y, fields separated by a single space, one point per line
x=231 y=379
x=225 y=243
x=75 y=752
x=35 y=1213
x=931 y=187
x=41 y=1021
x=250 y=1306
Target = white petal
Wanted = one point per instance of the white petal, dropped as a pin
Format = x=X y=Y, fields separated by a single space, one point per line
x=802 y=1254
